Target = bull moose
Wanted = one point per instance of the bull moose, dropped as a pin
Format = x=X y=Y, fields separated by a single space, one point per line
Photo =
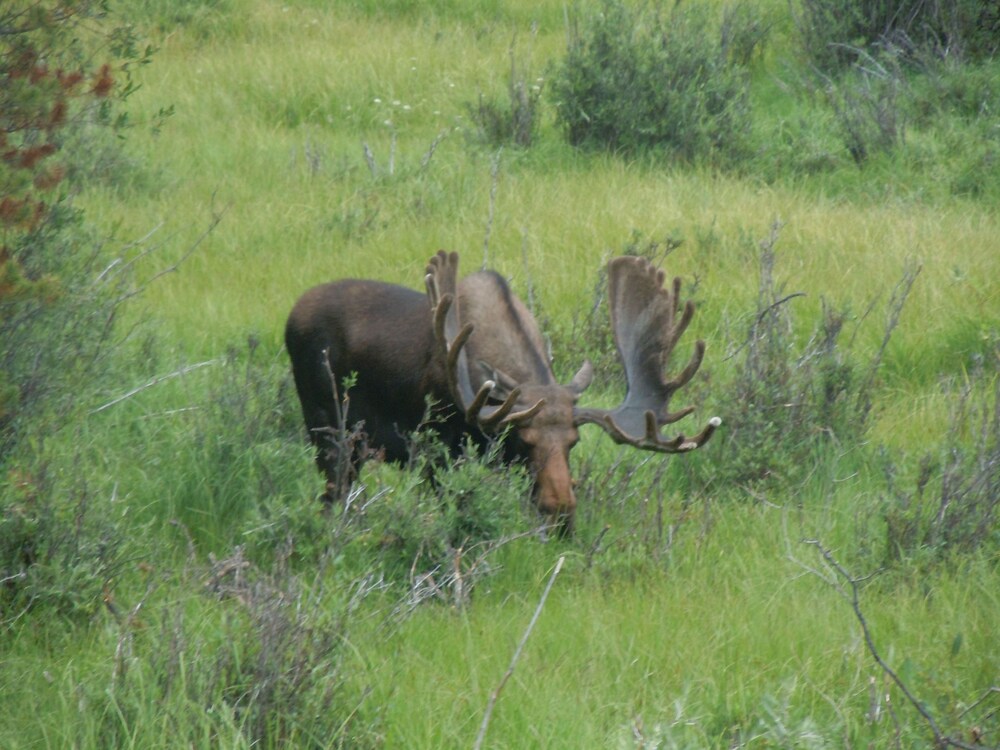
x=473 y=348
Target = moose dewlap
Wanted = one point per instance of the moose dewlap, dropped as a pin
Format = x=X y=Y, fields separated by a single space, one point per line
x=472 y=350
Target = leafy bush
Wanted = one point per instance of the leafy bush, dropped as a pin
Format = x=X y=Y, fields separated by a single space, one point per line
x=635 y=79
x=869 y=107
x=57 y=107
x=949 y=87
x=833 y=32
x=257 y=660
x=62 y=541
x=436 y=528
x=59 y=297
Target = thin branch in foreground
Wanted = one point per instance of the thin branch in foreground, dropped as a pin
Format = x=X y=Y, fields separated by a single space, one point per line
x=494 y=184
x=155 y=381
x=940 y=738
x=517 y=655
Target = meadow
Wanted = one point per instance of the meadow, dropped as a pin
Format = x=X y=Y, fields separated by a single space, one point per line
x=184 y=589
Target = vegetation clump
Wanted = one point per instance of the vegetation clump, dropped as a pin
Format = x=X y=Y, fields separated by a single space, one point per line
x=639 y=79
x=832 y=33
x=59 y=296
x=168 y=575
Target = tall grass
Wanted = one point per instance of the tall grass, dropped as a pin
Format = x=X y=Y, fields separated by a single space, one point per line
x=687 y=615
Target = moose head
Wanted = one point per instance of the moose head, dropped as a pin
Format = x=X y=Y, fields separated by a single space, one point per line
x=473 y=346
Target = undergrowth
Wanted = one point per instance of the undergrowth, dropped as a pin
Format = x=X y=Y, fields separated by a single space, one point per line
x=163 y=514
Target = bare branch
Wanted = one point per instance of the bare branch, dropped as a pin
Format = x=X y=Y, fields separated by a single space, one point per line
x=494 y=184
x=517 y=655
x=940 y=738
x=155 y=381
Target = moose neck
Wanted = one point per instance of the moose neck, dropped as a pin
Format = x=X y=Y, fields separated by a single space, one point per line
x=505 y=334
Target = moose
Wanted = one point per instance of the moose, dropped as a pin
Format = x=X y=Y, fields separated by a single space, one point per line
x=473 y=349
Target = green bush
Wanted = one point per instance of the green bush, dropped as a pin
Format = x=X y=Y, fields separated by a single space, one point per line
x=62 y=540
x=437 y=527
x=787 y=401
x=640 y=79
x=832 y=33
x=868 y=106
x=954 y=505
x=58 y=105
x=59 y=295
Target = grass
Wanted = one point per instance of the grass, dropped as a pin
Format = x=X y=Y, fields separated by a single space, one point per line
x=692 y=621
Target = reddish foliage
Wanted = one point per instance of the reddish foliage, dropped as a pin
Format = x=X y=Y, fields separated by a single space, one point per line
x=103 y=82
x=49 y=178
x=58 y=114
x=28 y=158
x=69 y=81
x=31 y=121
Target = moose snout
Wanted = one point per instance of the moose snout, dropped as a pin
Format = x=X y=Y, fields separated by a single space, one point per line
x=553 y=493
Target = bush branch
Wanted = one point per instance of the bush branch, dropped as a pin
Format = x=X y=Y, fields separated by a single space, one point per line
x=851 y=594
x=517 y=655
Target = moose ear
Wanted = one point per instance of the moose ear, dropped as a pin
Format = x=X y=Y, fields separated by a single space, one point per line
x=504 y=382
x=581 y=381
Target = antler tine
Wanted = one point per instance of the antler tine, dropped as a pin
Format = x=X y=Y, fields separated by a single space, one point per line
x=685 y=375
x=647 y=321
x=442 y=289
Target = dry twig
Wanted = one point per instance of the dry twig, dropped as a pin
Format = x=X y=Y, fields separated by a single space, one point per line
x=517 y=655
x=941 y=739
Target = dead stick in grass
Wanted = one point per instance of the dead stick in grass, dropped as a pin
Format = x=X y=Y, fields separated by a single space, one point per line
x=517 y=655
x=940 y=738
x=155 y=381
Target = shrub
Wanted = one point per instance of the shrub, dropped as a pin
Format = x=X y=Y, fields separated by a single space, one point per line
x=59 y=298
x=52 y=93
x=62 y=541
x=955 y=501
x=436 y=529
x=257 y=659
x=635 y=79
x=786 y=401
x=833 y=32
x=868 y=107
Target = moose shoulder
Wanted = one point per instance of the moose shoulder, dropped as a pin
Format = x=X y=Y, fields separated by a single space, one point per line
x=472 y=348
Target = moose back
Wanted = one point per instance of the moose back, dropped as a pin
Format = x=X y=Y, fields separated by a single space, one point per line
x=472 y=348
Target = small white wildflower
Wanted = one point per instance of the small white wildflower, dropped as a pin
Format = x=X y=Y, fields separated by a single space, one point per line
x=377 y=100
x=395 y=102
x=407 y=107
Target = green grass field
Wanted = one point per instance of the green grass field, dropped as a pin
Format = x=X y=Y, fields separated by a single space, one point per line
x=690 y=612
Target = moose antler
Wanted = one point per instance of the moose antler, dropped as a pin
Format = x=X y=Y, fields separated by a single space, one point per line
x=451 y=336
x=644 y=318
